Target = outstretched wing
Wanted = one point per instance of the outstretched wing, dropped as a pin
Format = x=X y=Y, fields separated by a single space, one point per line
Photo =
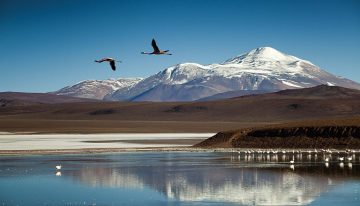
x=156 y=48
x=103 y=59
x=112 y=64
x=99 y=61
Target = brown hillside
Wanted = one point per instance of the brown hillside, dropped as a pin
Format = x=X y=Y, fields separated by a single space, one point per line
x=322 y=102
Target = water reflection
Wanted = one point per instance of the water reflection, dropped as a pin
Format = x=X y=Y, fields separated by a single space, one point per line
x=256 y=179
x=246 y=184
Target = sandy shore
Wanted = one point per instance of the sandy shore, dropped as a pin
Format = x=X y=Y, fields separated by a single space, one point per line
x=30 y=143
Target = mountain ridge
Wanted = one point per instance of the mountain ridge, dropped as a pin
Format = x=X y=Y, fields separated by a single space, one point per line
x=261 y=69
x=96 y=89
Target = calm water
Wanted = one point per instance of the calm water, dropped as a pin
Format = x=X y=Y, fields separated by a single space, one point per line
x=178 y=178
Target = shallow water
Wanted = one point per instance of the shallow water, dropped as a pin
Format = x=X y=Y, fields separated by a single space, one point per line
x=179 y=178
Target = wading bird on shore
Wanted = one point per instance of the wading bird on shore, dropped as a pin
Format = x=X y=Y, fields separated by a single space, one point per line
x=110 y=60
x=292 y=161
x=156 y=51
x=58 y=167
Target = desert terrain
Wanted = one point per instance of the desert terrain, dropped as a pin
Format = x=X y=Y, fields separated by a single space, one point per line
x=322 y=104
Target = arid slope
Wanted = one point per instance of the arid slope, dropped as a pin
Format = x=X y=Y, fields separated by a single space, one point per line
x=321 y=102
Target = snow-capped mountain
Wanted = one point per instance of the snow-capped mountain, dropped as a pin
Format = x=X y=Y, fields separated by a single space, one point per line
x=97 y=89
x=263 y=69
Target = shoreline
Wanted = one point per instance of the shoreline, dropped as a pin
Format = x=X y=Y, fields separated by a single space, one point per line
x=239 y=151
x=79 y=143
x=150 y=134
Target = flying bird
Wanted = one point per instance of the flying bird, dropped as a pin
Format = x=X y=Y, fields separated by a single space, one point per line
x=156 y=51
x=110 y=60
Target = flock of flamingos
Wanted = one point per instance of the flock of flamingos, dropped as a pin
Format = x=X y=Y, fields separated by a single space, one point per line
x=272 y=155
x=327 y=154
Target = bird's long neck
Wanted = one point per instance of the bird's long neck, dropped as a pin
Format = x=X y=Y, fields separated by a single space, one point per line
x=166 y=52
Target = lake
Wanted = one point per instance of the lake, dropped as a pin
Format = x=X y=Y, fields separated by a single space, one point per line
x=179 y=178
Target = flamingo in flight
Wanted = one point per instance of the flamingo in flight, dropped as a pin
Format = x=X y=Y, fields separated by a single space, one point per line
x=156 y=51
x=110 y=60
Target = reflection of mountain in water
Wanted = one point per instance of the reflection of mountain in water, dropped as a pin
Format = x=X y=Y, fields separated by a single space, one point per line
x=248 y=186
x=107 y=177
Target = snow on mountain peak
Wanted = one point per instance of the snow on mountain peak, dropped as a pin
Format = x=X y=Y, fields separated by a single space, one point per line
x=268 y=52
x=262 y=54
x=96 y=89
x=183 y=72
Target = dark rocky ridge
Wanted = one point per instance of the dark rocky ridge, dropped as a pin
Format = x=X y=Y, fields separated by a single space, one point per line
x=339 y=137
x=327 y=131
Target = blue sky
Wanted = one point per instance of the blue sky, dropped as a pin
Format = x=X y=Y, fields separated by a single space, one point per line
x=46 y=45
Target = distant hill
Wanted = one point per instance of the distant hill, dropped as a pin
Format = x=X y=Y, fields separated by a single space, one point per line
x=21 y=98
x=322 y=91
x=319 y=101
x=232 y=94
x=77 y=115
